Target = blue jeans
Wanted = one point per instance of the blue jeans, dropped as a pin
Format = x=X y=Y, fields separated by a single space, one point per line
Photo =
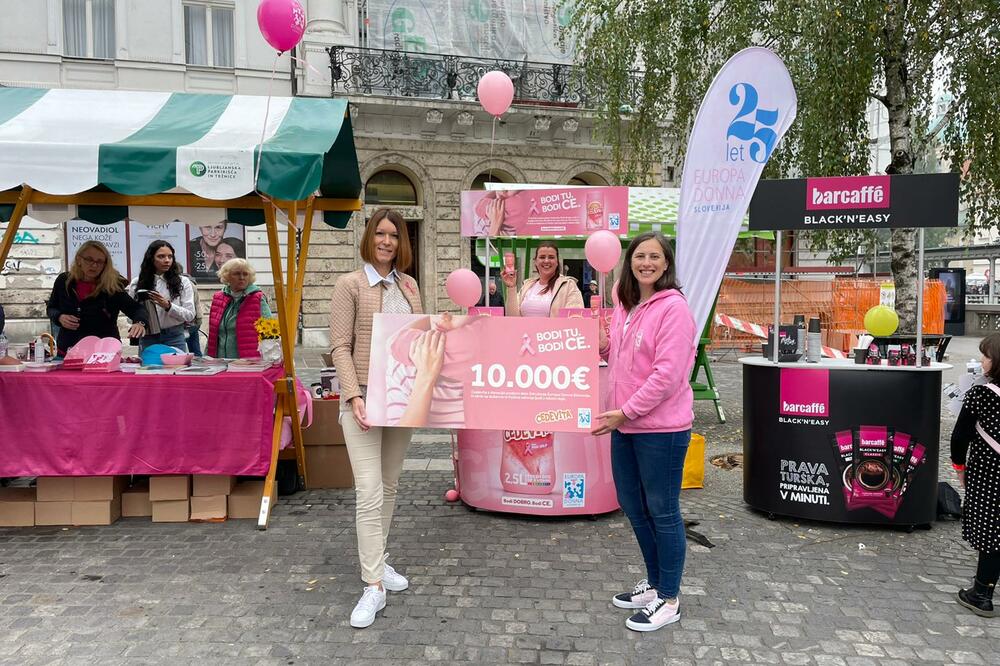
x=172 y=337
x=193 y=340
x=648 y=468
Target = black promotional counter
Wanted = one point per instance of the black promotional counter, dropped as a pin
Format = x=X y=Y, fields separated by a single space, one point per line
x=841 y=442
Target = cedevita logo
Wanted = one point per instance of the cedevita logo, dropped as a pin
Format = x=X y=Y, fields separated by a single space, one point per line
x=198 y=169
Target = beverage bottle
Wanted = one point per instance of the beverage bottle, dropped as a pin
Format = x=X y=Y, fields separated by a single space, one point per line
x=508 y=263
x=595 y=210
x=3 y=345
x=527 y=463
x=39 y=350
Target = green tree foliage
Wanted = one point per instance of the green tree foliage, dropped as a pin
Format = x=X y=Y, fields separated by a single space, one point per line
x=653 y=60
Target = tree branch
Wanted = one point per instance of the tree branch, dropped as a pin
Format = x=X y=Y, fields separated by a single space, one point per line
x=882 y=98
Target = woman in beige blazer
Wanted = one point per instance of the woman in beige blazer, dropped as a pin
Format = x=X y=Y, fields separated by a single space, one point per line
x=545 y=295
x=376 y=453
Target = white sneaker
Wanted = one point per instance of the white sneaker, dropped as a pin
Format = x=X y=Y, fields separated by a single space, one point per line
x=656 y=614
x=392 y=580
x=640 y=595
x=371 y=602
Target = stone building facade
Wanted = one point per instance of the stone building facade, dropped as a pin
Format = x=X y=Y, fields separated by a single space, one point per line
x=419 y=146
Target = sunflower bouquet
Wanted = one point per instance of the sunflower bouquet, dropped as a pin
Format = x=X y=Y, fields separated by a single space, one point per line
x=267 y=329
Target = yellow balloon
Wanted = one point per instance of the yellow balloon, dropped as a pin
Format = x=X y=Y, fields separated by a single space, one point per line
x=881 y=321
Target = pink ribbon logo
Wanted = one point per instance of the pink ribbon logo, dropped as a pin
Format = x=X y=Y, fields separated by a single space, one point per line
x=526 y=346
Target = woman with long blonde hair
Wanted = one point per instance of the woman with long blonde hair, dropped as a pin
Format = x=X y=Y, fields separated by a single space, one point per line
x=87 y=299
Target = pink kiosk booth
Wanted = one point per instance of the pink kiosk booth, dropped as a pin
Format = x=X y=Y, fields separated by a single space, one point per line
x=537 y=472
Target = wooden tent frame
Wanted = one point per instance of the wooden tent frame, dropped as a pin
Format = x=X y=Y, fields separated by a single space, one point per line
x=287 y=284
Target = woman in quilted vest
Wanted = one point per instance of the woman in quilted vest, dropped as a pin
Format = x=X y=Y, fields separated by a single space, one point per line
x=376 y=453
x=235 y=309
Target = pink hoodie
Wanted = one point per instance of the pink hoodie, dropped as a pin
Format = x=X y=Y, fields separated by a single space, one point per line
x=650 y=364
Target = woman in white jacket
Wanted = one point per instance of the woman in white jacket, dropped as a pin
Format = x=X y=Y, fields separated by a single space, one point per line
x=168 y=293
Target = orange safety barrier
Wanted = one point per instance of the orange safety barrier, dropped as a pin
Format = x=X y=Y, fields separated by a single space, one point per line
x=840 y=304
x=853 y=297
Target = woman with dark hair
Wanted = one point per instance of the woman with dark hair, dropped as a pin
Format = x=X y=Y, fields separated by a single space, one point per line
x=167 y=295
x=87 y=299
x=975 y=455
x=650 y=352
x=545 y=295
x=376 y=453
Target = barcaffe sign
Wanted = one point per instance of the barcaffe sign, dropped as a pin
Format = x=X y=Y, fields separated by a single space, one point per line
x=922 y=200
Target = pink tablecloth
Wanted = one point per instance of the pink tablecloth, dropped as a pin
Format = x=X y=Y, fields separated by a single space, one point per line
x=67 y=423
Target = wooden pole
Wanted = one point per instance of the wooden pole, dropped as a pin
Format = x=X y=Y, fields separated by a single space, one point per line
x=303 y=257
x=20 y=208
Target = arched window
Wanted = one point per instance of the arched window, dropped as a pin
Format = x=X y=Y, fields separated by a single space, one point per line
x=495 y=176
x=390 y=188
x=588 y=178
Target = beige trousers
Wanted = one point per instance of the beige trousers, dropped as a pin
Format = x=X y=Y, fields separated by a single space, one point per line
x=377 y=461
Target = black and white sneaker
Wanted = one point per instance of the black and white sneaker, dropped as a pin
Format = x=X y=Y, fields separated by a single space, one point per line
x=656 y=614
x=640 y=595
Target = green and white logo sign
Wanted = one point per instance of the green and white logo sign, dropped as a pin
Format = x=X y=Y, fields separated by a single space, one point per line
x=198 y=169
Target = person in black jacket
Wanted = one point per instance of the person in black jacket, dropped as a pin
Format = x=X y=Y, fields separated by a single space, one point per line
x=87 y=299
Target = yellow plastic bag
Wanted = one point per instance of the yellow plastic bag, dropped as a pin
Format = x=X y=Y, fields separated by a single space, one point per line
x=694 y=463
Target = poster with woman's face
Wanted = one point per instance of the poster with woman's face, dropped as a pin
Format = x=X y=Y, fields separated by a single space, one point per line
x=212 y=245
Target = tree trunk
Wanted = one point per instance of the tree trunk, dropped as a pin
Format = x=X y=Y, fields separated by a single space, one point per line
x=904 y=241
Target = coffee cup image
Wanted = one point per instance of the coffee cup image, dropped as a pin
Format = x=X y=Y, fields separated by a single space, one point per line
x=873 y=475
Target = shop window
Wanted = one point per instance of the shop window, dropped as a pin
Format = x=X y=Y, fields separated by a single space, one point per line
x=390 y=188
x=208 y=34
x=89 y=28
x=494 y=176
x=589 y=179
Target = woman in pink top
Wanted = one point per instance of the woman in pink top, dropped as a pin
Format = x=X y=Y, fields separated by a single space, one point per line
x=545 y=295
x=650 y=353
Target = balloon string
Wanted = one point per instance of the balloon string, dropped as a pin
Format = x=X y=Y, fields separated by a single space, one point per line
x=258 y=151
x=489 y=254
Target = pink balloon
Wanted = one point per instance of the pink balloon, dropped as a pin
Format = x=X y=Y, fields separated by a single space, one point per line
x=603 y=250
x=451 y=495
x=281 y=22
x=463 y=287
x=496 y=92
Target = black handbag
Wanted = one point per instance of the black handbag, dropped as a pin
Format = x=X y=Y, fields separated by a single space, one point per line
x=949 y=504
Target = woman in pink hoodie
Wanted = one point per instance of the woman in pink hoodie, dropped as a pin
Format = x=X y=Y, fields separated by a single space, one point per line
x=650 y=354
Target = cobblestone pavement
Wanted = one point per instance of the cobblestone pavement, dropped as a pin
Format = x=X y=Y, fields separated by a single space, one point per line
x=488 y=588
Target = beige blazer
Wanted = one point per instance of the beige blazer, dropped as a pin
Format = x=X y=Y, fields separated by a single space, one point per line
x=352 y=311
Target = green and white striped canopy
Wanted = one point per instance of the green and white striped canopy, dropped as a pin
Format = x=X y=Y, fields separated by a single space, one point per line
x=65 y=142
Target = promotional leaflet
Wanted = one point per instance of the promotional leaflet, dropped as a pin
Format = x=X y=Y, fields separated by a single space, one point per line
x=567 y=211
x=493 y=373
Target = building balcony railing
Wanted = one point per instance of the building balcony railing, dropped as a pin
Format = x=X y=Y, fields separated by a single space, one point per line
x=366 y=71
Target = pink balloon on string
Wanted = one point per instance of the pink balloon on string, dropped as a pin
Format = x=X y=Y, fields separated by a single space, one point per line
x=496 y=92
x=281 y=22
x=603 y=250
x=463 y=287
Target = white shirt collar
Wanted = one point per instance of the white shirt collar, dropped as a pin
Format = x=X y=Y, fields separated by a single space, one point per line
x=374 y=278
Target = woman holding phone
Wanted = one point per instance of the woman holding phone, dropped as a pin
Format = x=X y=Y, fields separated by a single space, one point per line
x=545 y=295
x=168 y=294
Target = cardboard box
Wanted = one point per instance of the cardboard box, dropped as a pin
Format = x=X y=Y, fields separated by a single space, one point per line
x=325 y=429
x=210 y=485
x=244 y=501
x=100 y=512
x=171 y=511
x=209 y=508
x=53 y=513
x=17 y=507
x=165 y=488
x=55 y=488
x=97 y=488
x=136 y=504
x=328 y=467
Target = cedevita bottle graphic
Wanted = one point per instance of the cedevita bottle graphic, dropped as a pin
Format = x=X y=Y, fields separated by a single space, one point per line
x=528 y=462
x=595 y=210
